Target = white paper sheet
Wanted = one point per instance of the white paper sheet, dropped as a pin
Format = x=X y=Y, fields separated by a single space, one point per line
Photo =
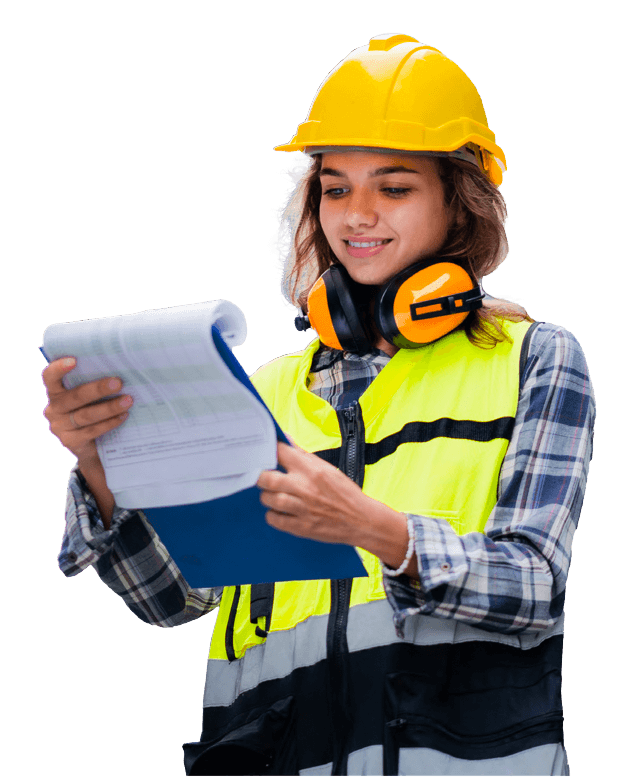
x=194 y=432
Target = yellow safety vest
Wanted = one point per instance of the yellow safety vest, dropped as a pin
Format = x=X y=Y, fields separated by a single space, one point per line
x=311 y=677
x=437 y=421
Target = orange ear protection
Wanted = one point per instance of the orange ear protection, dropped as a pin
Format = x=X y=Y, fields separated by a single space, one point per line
x=417 y=306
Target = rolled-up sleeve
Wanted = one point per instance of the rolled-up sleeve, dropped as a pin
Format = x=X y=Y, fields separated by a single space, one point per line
x=130 y=558
x=512 y=577
x=85 y=538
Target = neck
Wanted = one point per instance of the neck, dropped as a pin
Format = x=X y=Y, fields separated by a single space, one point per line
x=379 y=341
x=385 y=346
x=365 y=296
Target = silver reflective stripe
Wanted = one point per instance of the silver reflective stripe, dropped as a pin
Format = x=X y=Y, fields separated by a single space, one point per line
x=542 y=760
x=319 y=770
x=370 y=625
x=369 y=760
x=283 y=651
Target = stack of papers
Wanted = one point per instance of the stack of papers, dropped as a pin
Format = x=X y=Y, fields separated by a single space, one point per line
x=196 y=440
x=194 y=432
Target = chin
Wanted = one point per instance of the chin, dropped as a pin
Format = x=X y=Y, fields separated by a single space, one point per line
x=369 y=278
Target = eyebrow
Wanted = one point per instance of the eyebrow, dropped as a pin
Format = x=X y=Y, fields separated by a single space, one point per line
x=379 y=171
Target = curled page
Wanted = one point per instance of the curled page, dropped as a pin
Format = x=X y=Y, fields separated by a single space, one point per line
x=194 y=432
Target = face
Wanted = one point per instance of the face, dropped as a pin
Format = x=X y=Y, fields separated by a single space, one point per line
x=393 y=200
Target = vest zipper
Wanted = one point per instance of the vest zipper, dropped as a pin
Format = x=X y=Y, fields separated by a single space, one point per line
x=352 y=450
x=349 y=415
x=352 y=464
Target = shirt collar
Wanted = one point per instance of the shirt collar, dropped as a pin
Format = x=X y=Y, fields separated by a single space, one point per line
x=326 y=356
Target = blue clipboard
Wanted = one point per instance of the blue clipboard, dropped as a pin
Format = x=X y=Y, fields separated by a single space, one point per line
x=227 y=541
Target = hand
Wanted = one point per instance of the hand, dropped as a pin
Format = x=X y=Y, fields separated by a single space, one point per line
x=73 y=417
x=312 y=498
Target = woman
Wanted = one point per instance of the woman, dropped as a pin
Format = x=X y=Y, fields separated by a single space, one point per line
x=443 y=434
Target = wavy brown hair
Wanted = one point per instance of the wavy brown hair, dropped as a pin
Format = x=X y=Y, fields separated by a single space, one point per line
x=476 y=237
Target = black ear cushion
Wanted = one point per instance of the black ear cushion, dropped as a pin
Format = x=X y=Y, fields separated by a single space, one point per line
x=344 y=314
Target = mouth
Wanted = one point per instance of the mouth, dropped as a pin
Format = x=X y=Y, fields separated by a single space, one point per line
x=363 y=248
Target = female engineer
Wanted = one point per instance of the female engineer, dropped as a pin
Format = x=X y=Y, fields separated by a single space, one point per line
x=442 y=433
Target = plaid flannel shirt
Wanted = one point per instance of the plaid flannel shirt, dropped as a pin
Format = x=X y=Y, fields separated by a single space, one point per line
x=509 y=579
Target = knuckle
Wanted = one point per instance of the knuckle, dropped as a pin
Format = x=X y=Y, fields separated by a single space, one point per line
x=49 y=370
x=319 y=477
x=83 y=394
x=58 y=433
x=50 y=413
x=106 y=426
x=51 y=375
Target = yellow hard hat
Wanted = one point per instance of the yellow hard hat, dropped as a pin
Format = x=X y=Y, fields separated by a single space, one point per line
x=399 y=94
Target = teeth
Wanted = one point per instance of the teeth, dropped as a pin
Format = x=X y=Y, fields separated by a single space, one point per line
x=366 y=245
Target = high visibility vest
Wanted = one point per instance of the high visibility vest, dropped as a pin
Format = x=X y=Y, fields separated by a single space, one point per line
x=310 y=677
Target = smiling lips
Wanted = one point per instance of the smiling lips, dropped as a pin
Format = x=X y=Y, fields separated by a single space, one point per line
x=363 y=248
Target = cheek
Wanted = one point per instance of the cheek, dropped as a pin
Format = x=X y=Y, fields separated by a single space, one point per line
x=434 y=222
x=328 y=220
x=323 y=215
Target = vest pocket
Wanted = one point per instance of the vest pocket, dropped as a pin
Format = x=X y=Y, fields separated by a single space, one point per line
x=262 y=742
x=495 y=721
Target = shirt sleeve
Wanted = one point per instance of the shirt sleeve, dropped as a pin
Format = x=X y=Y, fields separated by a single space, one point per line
x=512 y=577
x=130 y=558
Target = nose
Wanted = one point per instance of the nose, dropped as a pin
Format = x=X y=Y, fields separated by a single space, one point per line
x=360 y=211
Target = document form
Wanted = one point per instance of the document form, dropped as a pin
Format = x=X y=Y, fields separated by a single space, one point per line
x=194 y=432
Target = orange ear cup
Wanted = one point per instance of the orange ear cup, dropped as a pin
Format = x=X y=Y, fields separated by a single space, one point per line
x=333 y=313
x=419 y=304
x=319 y=314
x=438 y=280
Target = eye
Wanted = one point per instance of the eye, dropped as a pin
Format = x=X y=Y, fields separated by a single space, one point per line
x=393 y=191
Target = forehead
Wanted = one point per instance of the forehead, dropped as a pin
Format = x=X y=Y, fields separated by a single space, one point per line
x=368 y=161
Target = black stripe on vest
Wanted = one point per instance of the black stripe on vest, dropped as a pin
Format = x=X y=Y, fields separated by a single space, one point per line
x=424 y=431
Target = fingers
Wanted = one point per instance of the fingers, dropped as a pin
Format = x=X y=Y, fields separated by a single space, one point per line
x=76 y=439
x=70 y=399
x=78 y=416
x=271 y=480
x=96 y=414
x=66 y=400
x=88 y=393
x=54 y=372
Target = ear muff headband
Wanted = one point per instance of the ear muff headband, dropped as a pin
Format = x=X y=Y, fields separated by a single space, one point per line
x=425 y=302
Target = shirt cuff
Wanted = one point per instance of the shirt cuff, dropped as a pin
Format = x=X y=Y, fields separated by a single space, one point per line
x=85 y=539
x=441 y=560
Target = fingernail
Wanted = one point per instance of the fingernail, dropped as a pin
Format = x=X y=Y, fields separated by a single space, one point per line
x=126 y=401
x=69 y=362
x=114 y=384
